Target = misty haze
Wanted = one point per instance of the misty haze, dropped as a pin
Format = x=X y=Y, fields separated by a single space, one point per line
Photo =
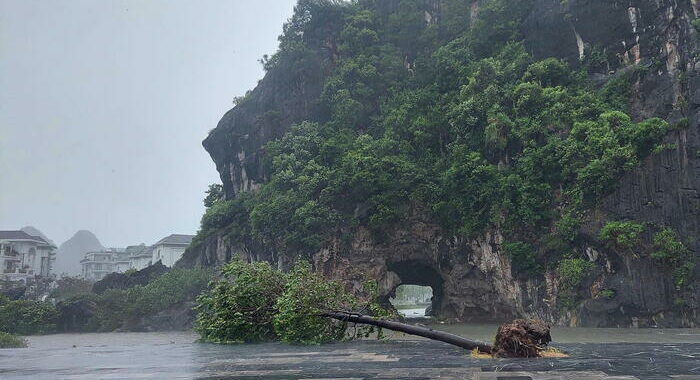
x=349 y=189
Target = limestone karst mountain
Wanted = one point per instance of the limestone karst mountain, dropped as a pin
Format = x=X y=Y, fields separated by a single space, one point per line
x=72 y=251
x=534 y=158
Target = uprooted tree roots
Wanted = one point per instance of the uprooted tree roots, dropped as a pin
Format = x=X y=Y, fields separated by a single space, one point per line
x=518 y=339
x=522 y=339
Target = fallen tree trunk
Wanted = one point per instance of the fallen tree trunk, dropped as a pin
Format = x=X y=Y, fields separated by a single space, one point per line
x=411 y=329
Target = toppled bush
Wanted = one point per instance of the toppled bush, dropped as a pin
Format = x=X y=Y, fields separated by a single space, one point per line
x=252 y=302
x=306 y=295
x=240 y=306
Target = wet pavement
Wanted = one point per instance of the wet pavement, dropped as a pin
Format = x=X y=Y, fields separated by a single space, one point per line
x=175 y=356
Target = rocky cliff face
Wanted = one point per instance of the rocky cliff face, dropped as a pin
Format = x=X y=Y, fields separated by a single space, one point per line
x=472 y=279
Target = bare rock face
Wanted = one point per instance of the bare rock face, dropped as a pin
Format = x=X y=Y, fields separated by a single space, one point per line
x=236 y=144
x=468 y=284
x=472 y=279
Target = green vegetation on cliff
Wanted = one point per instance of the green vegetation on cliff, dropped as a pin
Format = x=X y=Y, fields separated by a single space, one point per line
x=665 y=247
x=450 y=119
x=672 y=252
x=622 y=235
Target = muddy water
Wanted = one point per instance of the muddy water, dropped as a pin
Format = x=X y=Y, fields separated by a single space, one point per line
x=177 y=356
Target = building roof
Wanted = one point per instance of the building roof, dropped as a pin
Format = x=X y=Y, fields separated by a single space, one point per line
x=15 y=235
x=21 y=235
x=176 y=239
x=140 y=251
x=136 y=248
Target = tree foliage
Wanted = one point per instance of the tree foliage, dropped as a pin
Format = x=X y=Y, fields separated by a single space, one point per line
x=240 y=306
x=25 y=317
x=622 y=235
x=252 y=302
x=572 y=272
x=215 y=193
x=672 y=252
x=306 y=295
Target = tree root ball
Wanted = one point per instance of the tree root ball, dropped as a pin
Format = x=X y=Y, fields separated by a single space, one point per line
x=522 y=338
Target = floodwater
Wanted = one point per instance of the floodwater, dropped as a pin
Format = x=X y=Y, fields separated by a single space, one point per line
x=412 y=312
x=175 y=355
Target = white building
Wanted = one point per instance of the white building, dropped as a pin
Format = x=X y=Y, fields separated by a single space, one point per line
x=96 y=265
x=23 y=256
x=169 y=249
x=121 y=260
x=140 y=256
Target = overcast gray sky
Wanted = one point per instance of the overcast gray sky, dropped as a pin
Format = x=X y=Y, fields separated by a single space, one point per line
x=104 y=104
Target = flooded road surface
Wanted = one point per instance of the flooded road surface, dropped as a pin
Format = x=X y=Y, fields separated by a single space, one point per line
x=675 y=355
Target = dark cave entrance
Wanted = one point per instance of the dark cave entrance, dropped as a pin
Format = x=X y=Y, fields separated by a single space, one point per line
x=421 y=287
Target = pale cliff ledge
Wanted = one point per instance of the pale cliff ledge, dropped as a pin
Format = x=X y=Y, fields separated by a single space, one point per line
x=473 y=278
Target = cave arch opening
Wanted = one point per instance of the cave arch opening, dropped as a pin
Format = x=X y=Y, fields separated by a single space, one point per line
x=418 y=292
x=413 y=301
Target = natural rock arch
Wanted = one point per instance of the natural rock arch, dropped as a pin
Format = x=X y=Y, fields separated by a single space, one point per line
x=416 y=273
x=471 y=281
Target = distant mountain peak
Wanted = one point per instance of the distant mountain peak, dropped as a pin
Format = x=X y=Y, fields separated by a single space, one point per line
x=72 y=251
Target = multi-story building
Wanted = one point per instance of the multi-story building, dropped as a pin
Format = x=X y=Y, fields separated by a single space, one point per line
x=140 y=256
x=169 y=249
x=121 y=260
x=96 y=265
x=23 y=256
